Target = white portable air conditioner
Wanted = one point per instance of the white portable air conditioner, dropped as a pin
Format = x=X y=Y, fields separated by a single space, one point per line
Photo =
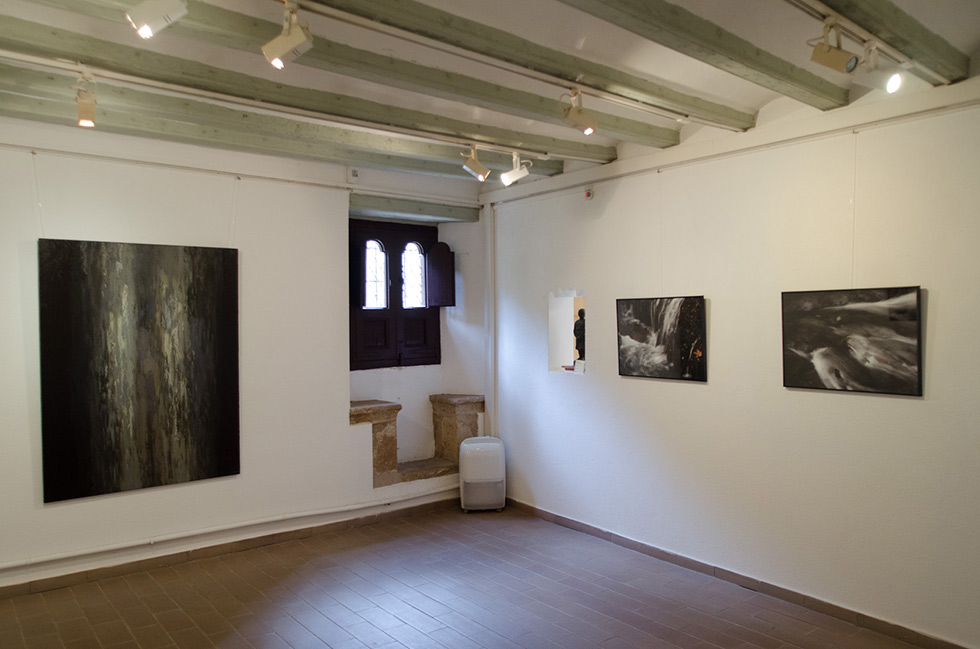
x=481 y=473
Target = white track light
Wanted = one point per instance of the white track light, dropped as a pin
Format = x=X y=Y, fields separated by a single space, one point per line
x=519 y=171
x=887 y=80
x=873 y=75
x=149 y=17
x=832 y=56
x=578 y=117
x=472 y=165
x=85 y=99
x=291 y=43
x=894 y=83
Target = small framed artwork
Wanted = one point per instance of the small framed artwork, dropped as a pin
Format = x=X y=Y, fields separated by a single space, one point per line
x=662 y=338
x=859 y=340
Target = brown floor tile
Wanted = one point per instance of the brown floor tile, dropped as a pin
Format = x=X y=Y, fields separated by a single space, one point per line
x=136 y=615
x=191 y=638
x=112 y=633
x=33 y=626
x=152 y=637
x=68 y=609
x=267 y=641
x=441 y=579
x=97 y=609
x=159 y=602
x=46 y=641
x=12 y=638
x=175 y=620
x=77 y=629
x=84 y=643
x=29 y=605
x=211 y=622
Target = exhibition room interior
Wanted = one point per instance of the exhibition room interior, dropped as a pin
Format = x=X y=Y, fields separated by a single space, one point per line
x=293 y=333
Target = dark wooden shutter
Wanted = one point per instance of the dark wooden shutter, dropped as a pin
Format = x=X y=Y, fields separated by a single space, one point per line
x=394 y=336
x=440 y=275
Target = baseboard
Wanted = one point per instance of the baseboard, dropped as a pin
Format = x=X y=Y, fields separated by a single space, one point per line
x=76 y=578
x=854 y=617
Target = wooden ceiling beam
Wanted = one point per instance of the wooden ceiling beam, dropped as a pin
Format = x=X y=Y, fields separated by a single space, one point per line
x=385 y=208
x=428 y=22
x=50 y=97
x=212 y=24
x=685 y=32
x=52 y=43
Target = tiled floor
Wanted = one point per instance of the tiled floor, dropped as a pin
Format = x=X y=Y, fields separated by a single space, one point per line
x=438 y=580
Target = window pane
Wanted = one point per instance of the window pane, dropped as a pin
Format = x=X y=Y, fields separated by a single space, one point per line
x=375 y=276
x=413 y=277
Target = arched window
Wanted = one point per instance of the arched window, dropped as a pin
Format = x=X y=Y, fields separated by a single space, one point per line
x=394 y=311
x=413 y=277
x=375 y=275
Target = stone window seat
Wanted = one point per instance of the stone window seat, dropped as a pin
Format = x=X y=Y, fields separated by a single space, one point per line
x=454 y=418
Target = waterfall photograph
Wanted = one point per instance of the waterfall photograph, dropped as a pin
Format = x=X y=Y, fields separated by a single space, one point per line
x=858 y=340
x=662 y=338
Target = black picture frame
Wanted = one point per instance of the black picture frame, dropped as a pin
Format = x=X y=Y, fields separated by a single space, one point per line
x=662 y=338
x=139 y=366
x=853 y=340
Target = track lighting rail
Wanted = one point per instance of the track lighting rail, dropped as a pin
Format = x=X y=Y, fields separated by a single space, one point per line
x=225 y=99
x=863 y=37
x=513 y=68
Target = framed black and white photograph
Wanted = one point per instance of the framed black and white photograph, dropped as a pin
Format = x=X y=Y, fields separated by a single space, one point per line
x=662 y=338
x=860 y=340
x=139 y=366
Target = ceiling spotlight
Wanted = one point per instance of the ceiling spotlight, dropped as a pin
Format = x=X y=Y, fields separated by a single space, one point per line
x=474 y=166
x=150 y=16
x=873 y=75
x=832 y=56
x=291 y=43
x=885 y=80
x=578 y=117
x=894 y=83
x=85 y=99
x=519 y=171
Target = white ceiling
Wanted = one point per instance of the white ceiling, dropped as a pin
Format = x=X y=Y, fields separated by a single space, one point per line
x=775 y=26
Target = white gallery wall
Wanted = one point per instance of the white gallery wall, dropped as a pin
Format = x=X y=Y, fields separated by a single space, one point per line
x=301 y=461
x=870 y=502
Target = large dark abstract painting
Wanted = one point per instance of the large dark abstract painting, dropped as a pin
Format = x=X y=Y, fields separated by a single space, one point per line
x=139 y=366
x=662 y=337
x=862 y=340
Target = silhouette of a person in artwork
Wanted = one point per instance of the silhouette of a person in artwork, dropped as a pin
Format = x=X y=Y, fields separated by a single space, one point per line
x=579 y=330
